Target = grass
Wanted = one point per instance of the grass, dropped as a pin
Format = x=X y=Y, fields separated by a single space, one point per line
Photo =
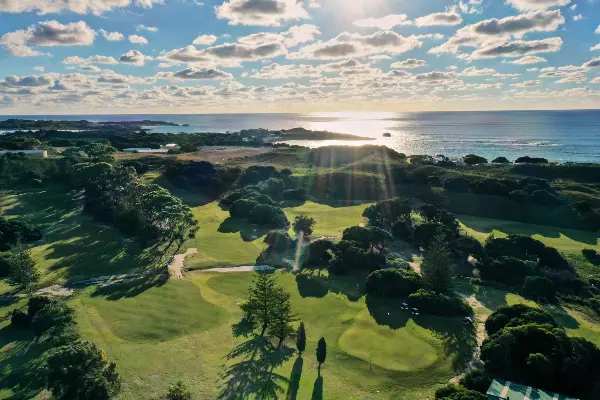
x=413 y=357
x=331 y=221
x=565 y=240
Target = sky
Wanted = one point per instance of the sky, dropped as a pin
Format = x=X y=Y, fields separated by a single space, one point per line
x=239 y=56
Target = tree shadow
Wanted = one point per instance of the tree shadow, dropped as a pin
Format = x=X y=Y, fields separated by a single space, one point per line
x=593 y=258
x=132 y=287
x=561 y=316
x=311 y=286
x=319 y=285
x=317 y=393
x=387 y=312
x=295 y=377
x=248 y=232
x=22 y=371
x=253 y=376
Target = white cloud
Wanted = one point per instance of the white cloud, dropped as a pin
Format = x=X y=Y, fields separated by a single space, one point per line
x=18 y=50
x=598 y=30
x=261 y=12
x=143 y=27
x=203 y=73
x=595 y=48
x=205 y=40
x=112 y=36
x=89 y=60
x=527 y=84
x=136 y=39
x=357 y=45
x=517 y=48
x=229 y=54
x=134 y=57
x=409 y=63
x=530 y=60
x=473 y=71
x=76 y=6
x=387 y=22
x=448 y=18
x=435 y=77
x=276 y=71
x=578 y=17
x=49 y=33
x=527 y=5
x=39 y=69
x=595 y=63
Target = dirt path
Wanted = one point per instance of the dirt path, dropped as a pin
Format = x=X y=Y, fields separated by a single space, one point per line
x=479 y=321
x=245 y=268
x=176 y=266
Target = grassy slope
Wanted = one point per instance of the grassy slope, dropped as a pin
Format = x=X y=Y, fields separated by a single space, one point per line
x=566 y=240
x=194 y=347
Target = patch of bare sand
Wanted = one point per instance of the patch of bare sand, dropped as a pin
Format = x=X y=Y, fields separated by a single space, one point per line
x=176 y=266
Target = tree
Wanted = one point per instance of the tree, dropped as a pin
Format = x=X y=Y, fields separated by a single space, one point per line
x=500 y=160
x=304 y=224
x=321 y=352
x=23 y=270
x=54 y=314
x=283 y=316
x=358 y=234
x=539 y=288
x=268 y=215
x=379 y=238
x=242 y=208
x=81 y=371
x=393 y=283
x=275 y=188
x=258 y=309
x=179 y=391
x=472 y=159
x=15 y=231
x=100 y=152
x=301 y=338
x=437 y=266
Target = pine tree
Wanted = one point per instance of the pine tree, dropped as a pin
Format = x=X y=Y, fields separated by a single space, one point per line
x=321 y=352
x=23 y=270
x=437 y=266
x=301 y=339
x=258 y=309
x=283 y=317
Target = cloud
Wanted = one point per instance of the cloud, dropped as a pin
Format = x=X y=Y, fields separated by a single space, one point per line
x=598 y=30
x=205 y=40
x=473 y=71
x=202 y=73
x=89 y=60
x=143 y=27
x=436 y=77
x=136 y=39
x=76 y=6
x=26 y=81
x=290 y=38
x=112 y=36
x=595 y=63
x=578 y=17
x=40 y=69
x=230 y=54
x=410 y=63
x=448 y=18
x=530 y=60
x=356 y=45
x=595 y=48
x=527 y=5
x=134 y=57
x=48 y=33
x=276 y=71
x=527 y=84
x=261 y=12
x=517 y=48
x=387 y=22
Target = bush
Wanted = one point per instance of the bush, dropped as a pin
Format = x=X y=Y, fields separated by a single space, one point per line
x=457 y=392
x=318 y=252
x=179 y=391
x=539 y=288
x=358 y=234
x=19 y=319
x=489 y=186
x=300 y=194
x=36 y=303
x=268 y=215
x=13 y=231
x=247 y=193
x=396 y=262
x=472 y=159
x=5 y=264
x=530 y=160
x=500 y=160
x=53 y=314
x=403 y=230
x=429 y=302
x=242 y=208
x=508 y=270
x=393 y=283
x=279 y=242
x=515 y=315
x=275 y=188
x=477 y=380
x=459 y=184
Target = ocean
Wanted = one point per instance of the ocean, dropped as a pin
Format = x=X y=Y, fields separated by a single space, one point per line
x=559 y=136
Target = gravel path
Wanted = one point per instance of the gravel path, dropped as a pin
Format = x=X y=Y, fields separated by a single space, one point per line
x=176 y=266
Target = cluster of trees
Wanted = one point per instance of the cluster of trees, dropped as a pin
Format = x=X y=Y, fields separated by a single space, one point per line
x=525 y=344
x=202 y=176
x=13 y=231
x=259 y=208
x=523 y=262
x=115 y=194
x=76 y=369
x=473 y=159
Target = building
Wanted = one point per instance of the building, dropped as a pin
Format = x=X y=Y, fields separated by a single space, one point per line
x=507 y=390
x=30 y=153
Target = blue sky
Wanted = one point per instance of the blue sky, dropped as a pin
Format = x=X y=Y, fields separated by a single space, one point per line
x=191 y=56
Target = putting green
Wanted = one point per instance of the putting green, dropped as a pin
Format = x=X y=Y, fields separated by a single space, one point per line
x=402 y=350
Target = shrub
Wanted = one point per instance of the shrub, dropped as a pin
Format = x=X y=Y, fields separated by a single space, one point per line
x=53 y=314
x=13 y=231
x=358 y=234
x=318 y=252
x=500 y=160
x=279 y=242
x=546 y=198
x=300 y=194
x=531 y=160
x=19 y=319
x=268 y=215
x=439 y=304
x=5 y=258
x=457 y=392
x=477 y=380
x=403 y=229
x=472 y=159
x=425 y=233
x=489 y=186
x=508 y=270
x=459 y=184
x=242 y=208
x=393 y=283
x=539 y=288
x=396 y=262
x=179 y=391
x=275 y=188
x=247 y=192
x=515 y=315
x=551 y=258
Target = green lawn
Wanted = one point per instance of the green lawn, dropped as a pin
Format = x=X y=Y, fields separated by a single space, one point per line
x=183 y=330
x=566 y=240
x=331 y=221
